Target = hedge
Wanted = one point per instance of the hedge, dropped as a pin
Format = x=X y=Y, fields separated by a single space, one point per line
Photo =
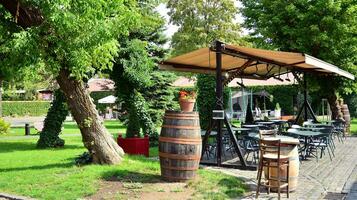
x=25 y=108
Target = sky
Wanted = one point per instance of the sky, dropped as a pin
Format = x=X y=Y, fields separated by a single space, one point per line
x=171 y=29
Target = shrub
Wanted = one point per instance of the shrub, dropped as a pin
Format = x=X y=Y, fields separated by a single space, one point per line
x=25 y=108
x=4 y=126
x=53 y=123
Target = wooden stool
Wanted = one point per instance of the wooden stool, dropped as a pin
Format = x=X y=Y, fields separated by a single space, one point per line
x=270 y=157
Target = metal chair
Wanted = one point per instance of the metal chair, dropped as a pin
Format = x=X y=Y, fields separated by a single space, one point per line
x=270 y=157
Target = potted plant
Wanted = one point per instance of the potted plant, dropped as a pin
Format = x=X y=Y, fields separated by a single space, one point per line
x=187 y=100
x=135 y=145
x=277 y=111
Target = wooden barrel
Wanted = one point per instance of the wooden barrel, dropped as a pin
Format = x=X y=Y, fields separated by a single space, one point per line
x=346 y=116
x=292 y=152
x=346 y=113
x=180 y=145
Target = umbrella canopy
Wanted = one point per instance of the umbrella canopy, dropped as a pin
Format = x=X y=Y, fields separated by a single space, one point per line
x=108 y=100
x=253 y=63
x=262 y=93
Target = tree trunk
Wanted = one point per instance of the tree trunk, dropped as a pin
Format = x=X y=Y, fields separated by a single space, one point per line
x=335 y=106
x=1 y=81
x=96 y=138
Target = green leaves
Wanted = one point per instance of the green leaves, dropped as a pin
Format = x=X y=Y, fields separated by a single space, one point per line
x=79 y=35
x=324 y=29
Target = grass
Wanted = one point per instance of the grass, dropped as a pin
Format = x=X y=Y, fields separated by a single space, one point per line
x=52 y=174
x=354 y=127
x=113 y=126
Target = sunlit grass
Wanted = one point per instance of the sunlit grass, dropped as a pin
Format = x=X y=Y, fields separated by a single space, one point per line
x=52 y=174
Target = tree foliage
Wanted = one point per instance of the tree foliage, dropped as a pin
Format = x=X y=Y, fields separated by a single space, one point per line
x=324 y=29
x=133 y=70
x=73 y=40
x=49 y=136
x=200 y=24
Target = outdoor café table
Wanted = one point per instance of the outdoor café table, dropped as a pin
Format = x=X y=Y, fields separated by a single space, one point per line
x=289 y=148
x=306 y=134
x=253 y=126
x=317 y=125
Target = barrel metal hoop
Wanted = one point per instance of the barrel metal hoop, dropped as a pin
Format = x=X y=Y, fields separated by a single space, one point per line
x=181 y=117
x=182 y=127
x=181 y=140
x=179 y=157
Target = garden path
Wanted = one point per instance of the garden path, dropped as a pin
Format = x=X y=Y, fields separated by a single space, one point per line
x=325 y=179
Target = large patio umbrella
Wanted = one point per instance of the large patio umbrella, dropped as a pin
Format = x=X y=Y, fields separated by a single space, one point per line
x=228 y=62
x=263 y=94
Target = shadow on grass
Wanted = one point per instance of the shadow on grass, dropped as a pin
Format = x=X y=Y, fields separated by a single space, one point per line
x=6 y=147
x=38 y=167
x=130 y=176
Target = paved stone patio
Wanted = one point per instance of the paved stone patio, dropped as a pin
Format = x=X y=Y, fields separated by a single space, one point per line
x=325 y=179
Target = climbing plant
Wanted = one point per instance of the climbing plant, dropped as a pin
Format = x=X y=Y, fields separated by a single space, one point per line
x=49 y=136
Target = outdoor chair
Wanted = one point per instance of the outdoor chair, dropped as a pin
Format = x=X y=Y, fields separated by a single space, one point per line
x=251 y=146
x=267 y=133
x=320 y=142
x=339 y=129
x=271 y=158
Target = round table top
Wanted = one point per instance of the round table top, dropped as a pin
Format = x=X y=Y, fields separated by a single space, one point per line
x=265 y=123
x=283 y=139
x=310 y=128
x=241 y=129
x=252 y=125
x=305 y=133
x=317 y=125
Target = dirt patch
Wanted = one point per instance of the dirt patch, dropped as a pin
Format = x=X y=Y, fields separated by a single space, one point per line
x=113 y=188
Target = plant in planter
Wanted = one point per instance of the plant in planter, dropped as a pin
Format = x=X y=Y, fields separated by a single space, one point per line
x=277 y=111
x=187 y=100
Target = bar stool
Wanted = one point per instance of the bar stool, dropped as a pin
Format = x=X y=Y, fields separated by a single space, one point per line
x=271 y=158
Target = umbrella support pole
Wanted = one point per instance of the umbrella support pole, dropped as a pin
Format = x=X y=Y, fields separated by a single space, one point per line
x=218 y=123
x=306 y=107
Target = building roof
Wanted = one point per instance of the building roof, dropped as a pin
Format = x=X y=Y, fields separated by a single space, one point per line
x=100 y=84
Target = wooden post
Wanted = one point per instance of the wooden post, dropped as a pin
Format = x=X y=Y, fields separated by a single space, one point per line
x=219 y=98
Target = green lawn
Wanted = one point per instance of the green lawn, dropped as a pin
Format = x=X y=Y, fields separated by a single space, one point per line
x=354 y=127
x=52 y=174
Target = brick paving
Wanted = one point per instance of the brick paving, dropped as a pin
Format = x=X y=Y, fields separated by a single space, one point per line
x=325 y=179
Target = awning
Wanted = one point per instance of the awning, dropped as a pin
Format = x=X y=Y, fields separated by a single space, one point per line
x=251 y=63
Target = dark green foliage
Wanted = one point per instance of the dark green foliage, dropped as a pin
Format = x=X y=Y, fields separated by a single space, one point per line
x=160 y=95
x=206 y=98
x=49 y=136
x=25 y=108
x=249 y=119
x=324 y=29
x=133 y=72
x=83 y=159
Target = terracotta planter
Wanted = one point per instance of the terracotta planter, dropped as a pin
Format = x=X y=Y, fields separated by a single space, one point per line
x=187 y=105
x=134 y=146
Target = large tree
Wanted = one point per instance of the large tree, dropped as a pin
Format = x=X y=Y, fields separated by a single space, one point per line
x=325 y=29
x=73 y=40
x=200 y=23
